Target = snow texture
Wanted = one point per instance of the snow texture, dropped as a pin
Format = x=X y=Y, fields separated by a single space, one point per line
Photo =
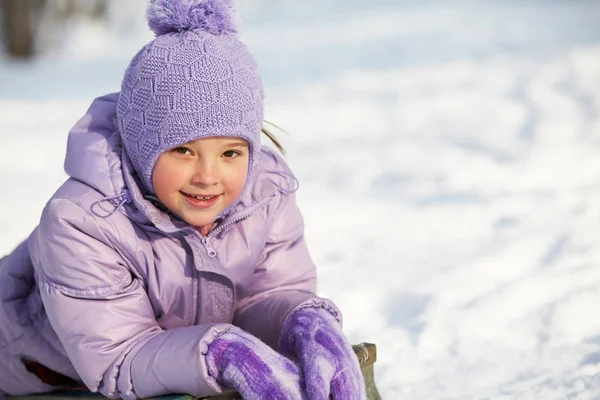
x=448 y=154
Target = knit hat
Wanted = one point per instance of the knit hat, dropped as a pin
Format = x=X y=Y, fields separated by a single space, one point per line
x=194 y=80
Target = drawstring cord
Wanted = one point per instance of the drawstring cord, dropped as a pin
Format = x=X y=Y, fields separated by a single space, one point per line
x=120 y=199
x=286 y=175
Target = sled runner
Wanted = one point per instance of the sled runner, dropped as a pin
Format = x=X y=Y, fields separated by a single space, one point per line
x=366 y=353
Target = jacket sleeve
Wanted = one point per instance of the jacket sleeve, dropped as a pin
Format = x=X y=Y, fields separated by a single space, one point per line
x=284 y=278
x=103 y=316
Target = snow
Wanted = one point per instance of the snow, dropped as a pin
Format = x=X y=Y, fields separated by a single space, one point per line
x=447 y=153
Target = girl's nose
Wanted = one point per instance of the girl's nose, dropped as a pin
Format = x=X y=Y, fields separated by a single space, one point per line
x=206 y=173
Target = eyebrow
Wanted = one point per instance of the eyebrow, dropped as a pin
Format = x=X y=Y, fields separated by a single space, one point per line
x=236 y=143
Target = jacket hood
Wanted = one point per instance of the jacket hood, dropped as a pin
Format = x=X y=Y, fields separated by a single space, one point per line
x=94 y=148
x=96 y=157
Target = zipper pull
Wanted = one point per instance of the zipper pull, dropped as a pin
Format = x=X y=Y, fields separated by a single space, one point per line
x=209 y=249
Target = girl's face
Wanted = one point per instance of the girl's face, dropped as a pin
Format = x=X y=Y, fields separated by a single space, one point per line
x=200 y=179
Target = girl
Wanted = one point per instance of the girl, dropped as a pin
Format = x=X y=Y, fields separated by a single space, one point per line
x=173 y=259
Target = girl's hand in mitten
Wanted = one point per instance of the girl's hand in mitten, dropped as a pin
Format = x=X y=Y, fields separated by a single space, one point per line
x=241 y=361
x=326 y=358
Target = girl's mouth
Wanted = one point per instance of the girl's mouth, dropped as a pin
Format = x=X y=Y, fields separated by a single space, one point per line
x=200 y=201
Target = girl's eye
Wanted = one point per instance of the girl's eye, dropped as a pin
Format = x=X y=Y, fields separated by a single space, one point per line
x=231 y=154
x=182 y=150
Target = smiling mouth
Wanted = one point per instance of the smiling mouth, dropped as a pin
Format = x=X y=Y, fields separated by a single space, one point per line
x=207 y=197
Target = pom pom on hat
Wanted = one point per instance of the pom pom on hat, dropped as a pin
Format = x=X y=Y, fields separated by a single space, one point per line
x=213 y=16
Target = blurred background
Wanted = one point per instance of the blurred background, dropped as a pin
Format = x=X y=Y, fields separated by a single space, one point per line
x=448 y=159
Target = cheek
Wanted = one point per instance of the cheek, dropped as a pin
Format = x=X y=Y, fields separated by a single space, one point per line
x=165 y=178
x=236 y=178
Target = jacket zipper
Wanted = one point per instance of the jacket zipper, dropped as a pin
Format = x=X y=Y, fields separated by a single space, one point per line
x=210 y=250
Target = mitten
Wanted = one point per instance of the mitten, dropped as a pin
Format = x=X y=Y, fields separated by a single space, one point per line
x=328 y=363
x=241 y=361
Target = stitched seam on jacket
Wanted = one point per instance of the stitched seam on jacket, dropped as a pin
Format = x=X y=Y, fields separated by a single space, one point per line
x=120 y=285
x=116 y=286
x=106 y=153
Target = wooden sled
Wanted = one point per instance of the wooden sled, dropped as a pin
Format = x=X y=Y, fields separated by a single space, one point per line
x=366 y=353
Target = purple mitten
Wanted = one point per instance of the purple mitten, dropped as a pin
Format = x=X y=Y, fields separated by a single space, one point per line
x=326 y=358
x=241 y=361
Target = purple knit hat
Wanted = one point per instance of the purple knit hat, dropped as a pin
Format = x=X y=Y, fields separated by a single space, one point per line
x=194 y=80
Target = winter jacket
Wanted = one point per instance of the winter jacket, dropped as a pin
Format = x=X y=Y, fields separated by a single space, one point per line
x=113 y=290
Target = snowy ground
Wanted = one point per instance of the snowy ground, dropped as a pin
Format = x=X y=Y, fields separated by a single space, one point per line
x=448 y=154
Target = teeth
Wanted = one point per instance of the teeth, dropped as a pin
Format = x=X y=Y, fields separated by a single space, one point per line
x=202 y=197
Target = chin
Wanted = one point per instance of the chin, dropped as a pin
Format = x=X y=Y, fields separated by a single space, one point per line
x=197 y=223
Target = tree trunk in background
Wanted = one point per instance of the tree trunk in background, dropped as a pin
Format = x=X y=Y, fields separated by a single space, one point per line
x=24 y=20
x=17 y=24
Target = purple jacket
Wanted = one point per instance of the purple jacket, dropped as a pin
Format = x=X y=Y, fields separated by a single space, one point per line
x=111 y=290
